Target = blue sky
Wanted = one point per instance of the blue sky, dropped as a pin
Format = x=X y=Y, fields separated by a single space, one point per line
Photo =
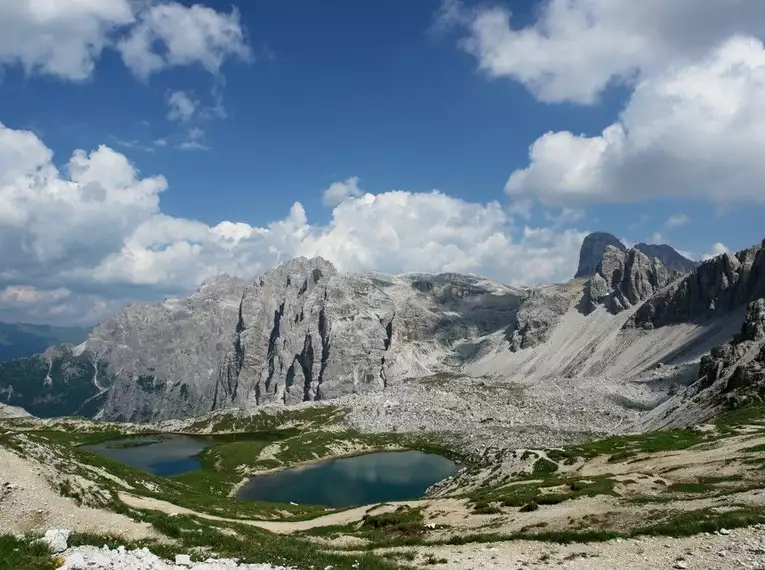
x=233 y=114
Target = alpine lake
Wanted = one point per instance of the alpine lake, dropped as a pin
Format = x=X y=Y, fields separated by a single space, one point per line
x=336 y=483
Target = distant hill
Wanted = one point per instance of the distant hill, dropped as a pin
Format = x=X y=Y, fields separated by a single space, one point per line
x=20 y=339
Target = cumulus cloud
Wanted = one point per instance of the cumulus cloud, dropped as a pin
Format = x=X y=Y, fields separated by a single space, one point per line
x=693 y=130
x=717 y=249
x=65 y=39
x=173 y=35
x=79 y=241
x=341 y=191
x=576 y=48
x=676 y=220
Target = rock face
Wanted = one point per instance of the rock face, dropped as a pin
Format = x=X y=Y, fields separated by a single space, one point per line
x=301 y=332
x=540 y=311
x=740 y=364
x=592 y=250
x=671 y=259
x=717 y=286
x=162 y=360
x=307 y=333
x=730 y=375
x=623 y=280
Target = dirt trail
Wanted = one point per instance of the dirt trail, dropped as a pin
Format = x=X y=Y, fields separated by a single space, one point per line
x=28 y=503
x=279 y=527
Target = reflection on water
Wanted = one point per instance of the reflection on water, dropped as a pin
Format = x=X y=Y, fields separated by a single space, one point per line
x=377 y=477
x=164 y=455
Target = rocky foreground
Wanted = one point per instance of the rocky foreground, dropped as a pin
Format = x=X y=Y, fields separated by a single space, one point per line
x=722 y=550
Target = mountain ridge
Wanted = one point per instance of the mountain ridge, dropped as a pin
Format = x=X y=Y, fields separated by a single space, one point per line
x=305 y=332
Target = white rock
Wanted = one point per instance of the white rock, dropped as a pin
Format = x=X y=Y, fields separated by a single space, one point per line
x=183 y=560
x=56 y=539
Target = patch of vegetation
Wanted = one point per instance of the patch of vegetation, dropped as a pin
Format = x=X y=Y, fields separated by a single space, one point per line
x=543 y=467
x=484 y=508
x=629 y=445
x=24 y=554
x=403 y=522
x=253 y=545
x=524 y=494
x=748 y=413
x=686 y=523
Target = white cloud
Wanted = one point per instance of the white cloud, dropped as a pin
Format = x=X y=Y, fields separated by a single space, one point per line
x=656 y=237
x=182 y=106
x=340 y=191
x=83 y=239
x=65 y=38
x=194 y=140
x=676 y=220
x=576 y=48
x=693 y=131
x=717 y=249
x=172 y=35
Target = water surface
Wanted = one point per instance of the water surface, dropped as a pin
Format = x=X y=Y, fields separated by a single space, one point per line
x=163 y=455
x=351 y=481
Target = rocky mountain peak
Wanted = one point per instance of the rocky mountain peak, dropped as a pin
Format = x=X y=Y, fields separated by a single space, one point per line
x=623 y=279
x=592 y=250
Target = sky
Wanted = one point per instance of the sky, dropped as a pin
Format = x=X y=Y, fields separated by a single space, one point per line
x=147 y=145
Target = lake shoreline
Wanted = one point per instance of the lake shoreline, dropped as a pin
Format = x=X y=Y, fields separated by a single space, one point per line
x=305 y=482
x=308 y=462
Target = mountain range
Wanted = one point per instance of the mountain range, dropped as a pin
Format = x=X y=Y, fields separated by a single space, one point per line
x=304 y=331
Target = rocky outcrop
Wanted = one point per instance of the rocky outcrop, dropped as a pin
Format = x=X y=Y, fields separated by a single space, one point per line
x=717 y=286
x=623 y=280
x=740 y=364
x=732 y=374
x=671 y=259
x=537 y=316
x=592 y=250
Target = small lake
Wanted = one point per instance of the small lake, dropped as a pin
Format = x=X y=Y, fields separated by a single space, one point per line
x=165 y=455
x=352 y=481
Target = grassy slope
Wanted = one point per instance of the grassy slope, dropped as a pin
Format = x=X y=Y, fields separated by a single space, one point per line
x=307 y=433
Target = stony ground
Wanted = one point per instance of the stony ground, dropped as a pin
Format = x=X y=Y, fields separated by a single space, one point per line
x=30 y=504
x=735 y=549
x=92 y=558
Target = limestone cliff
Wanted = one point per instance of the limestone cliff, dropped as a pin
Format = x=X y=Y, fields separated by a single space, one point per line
x=717 y=287
x=623 y=280
x=592 y=250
